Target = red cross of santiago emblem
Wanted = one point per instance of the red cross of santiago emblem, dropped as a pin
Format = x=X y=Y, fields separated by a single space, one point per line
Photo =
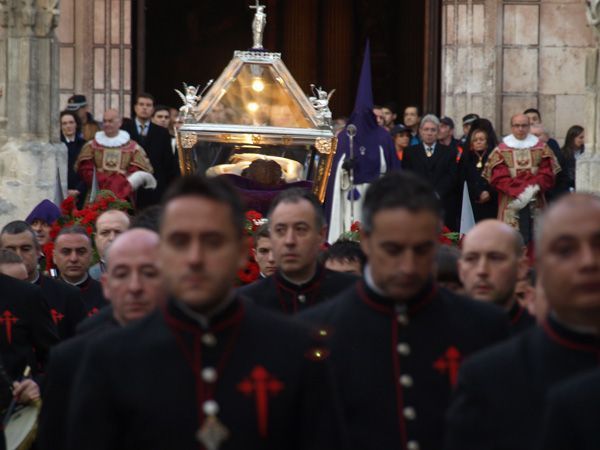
x=261 y=384
x=92 y=311
x=56 y=316
x=449 y=363
x=7 y=319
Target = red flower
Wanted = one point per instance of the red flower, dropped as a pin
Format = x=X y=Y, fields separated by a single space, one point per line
x=253 y=215
x=355 y=227
x=48 y=250
x=54 y=230
x=249 y=273
x=67 y=205
x=445 y=240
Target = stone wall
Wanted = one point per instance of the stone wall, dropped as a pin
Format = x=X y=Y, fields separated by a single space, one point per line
x=501 y=57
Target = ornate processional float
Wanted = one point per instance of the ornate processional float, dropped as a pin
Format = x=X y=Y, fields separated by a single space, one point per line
x=256 y=126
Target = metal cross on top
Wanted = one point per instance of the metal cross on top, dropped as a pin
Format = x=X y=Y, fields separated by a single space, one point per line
x=258 y=25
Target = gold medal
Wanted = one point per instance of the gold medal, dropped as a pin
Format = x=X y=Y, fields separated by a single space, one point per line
x=212 y=433
x=479 y=164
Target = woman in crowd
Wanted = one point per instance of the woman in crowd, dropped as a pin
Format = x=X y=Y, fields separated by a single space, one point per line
x=572 y=150
x=70 y=134
x=401 y=136
x=480 y=142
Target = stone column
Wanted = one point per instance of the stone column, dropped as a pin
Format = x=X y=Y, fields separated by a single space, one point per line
x=588 y=166
x=30 y=151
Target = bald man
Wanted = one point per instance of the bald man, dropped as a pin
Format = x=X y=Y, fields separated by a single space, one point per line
x=121 y=165
x=109 y=225
x=522 y=168
x=501 y=394
x=492 y=262
x=133 y=285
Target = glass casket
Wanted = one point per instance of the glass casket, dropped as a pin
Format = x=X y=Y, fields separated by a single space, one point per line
x=256 y=126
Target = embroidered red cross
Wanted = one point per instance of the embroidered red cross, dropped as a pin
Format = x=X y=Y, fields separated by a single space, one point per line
x=92 y=311
x=56 y=316
x=449 y=362
x=8 y=320
x=261 y=383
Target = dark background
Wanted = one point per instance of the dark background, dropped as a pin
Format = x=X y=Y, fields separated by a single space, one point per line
x=321 y=41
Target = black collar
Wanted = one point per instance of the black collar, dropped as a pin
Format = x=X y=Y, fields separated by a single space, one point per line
x=570 y=338
x=303 y=288
x=183 y=320
x=389 y=306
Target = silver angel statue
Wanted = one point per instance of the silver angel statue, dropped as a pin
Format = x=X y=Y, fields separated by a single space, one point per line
x=320 y=101
x=258 y=25
x=190 y=99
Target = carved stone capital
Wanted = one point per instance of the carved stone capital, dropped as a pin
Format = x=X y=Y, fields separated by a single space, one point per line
x=29 y=17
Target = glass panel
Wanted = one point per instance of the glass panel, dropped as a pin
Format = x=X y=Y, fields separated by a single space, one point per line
x=257 y=96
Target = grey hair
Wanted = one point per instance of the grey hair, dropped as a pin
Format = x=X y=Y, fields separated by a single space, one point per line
x=432 y=118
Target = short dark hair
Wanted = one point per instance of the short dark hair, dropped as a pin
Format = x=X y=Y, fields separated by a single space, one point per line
x=345 y=250
x=417 y=107
x=218 y=189
x=145 y=95
x=533 y=110
x=262 y=232
x=295 y=195
x=392 y=106
x=447 y=264
x=73 y=114
x=161 y=108
x=399 y=190
x=148 y=218
x=18 y=227
x=74 y=229
x=9 y=257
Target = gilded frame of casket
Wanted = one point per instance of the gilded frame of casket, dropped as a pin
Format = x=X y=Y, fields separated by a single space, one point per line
x=256 y=110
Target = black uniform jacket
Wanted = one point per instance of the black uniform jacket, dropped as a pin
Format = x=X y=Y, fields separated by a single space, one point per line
x=99 y=320
x=93 y=298
x=66 y=305
x=278 y=294
x=145 y=386
x=501 y=394
x=157 y=144
x=520 y=319
x=396 y=365
x=63 y=364
x=26 y=328
x=572 y=415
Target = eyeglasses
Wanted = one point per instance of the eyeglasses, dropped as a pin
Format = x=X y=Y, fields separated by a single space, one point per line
x=520 y=125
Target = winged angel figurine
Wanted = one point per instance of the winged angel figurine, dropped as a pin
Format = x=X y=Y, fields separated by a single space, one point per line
x=190 y=99
x=320 y=102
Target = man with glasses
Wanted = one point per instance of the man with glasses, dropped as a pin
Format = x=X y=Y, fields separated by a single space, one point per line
x=522 y=168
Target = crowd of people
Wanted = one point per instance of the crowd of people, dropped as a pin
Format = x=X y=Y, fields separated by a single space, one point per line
x=399 y=334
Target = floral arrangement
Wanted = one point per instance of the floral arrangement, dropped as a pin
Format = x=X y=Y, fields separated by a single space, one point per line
x=353 y=234
x=85 y=217
x=448 y=237
x=251 y=272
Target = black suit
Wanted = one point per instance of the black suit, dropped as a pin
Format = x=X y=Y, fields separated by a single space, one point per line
x=396 y=368
x=26 y=328
x=99 y=320
x=66 y=305
x=56 y=390
x=572 y=415
x=142 y=386
x=157 y=144
x=501 y=395
x=441 y=170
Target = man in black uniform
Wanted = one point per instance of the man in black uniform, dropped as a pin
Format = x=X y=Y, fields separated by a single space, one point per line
x=501 y=394
x=134 y=287
x=156 y=141
x=26 y=328
x=73 y=256
x=208 y=370
x=397 y=339
x=298 y=229
x=493 y=260
x=65 y=302
x=572 y=415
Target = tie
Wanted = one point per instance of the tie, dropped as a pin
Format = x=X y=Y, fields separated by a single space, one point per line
x=428 y=151
x=143 y=129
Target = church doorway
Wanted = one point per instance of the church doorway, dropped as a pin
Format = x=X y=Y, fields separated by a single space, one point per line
x=321 y=41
